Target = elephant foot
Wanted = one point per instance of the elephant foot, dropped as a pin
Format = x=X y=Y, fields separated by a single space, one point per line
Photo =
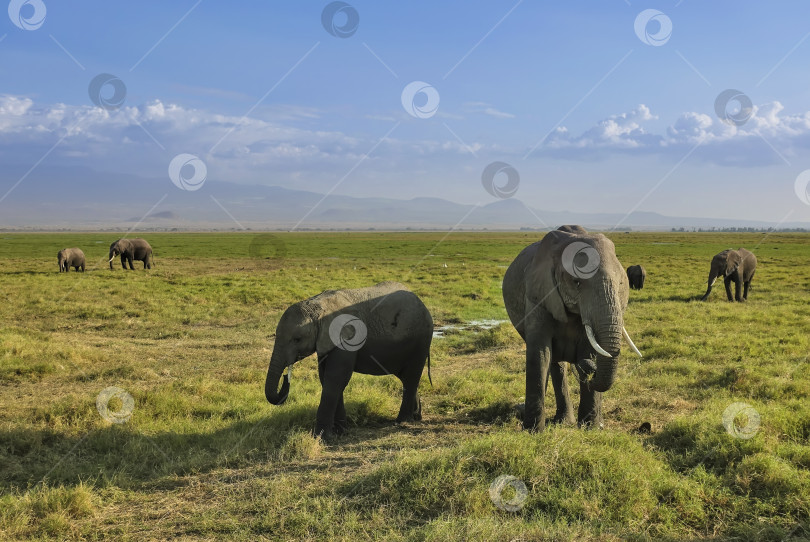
x=560 y=419
x=591 y=424
x=326 y=435
x=340 y=427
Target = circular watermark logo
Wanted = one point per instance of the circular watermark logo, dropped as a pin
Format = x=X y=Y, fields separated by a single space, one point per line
x=741 y=420
x=348 y=332
x=733 y=107
x=266 y=246
x=506 y=484
x=187 y=172
x=500 y=170
x=802 y=186
x=420 y=100
x=652 y=19
x=340 y=19
x=124 y=413
x=99 y=91
x=27 y=14
x=581 y=260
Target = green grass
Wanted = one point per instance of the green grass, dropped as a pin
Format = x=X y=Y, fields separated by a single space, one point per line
x=204 y=456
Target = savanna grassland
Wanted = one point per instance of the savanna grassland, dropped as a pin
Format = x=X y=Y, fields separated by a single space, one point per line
x=204 y=456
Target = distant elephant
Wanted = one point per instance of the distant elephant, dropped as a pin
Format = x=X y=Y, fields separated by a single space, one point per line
x=738 y=266
x=636 y=275
x=566 y=296
x=70 y=257
x=379 y=330
x=131 y=249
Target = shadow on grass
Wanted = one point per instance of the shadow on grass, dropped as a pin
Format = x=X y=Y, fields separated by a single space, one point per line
x=127 y=457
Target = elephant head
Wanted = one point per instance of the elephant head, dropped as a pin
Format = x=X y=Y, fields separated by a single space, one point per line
x=119 y=247
x=582 y=279
x=733 y=261
x=297 y=337
x=62 y=256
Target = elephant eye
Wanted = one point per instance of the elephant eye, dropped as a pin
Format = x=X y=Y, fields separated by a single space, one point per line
x=577 y=283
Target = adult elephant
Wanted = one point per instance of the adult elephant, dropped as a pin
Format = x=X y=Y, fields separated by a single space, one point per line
x=70 y=257
x=566 y=296
x=736 y=266
x=636 y=275
x=131 y=249
x=380 y=330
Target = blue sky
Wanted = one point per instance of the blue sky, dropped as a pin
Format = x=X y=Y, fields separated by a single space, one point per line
x=566 y=92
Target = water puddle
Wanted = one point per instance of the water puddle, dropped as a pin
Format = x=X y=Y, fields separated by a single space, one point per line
x=476 y=325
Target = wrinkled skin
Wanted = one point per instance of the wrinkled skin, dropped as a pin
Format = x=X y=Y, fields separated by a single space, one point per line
x=398 y=328
x=70 y=257
x=636 y=275
x=737 y=266
x=131 y=249
x=550 y=307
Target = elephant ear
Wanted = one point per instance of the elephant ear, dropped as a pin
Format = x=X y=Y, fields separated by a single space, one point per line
x=543 y=277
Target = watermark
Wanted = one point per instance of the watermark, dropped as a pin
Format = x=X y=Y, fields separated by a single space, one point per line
x=741 y=420
x=27 y=14
x=650 y=18
x=340 y=19
x=101 y=97
x=267 y=246
x=428 y=102
x=581 y=260
x=511 y=484
x=187 y=172
x=503 y=190
x=348 y=332
x=733 y=107
x=802 y=186
x=123 y=414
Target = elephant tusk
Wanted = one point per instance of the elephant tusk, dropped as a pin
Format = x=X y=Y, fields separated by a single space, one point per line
x=630 y=342
x=594 y=344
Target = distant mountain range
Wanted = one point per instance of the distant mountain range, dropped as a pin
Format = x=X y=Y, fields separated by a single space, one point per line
x=81 y=198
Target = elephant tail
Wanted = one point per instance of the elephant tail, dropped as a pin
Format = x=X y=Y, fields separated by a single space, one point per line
x=429 y=379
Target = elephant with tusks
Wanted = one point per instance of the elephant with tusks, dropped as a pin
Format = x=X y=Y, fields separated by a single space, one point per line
x=566 y=296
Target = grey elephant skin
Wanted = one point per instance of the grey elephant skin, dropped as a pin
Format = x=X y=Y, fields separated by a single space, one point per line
x=554 y=291
x=636 y=275
x=379 y=330
x=130 y=250
x=737 y=266
x=70 y=257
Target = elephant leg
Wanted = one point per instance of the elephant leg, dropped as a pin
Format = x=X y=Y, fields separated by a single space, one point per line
x=559 y=379
x=589 y=413
x=335 y=370
x=745 y=293
x=131 y=263
x=411 y=407
x=538 y=359
x=123 y=261
x=738 y=288
x=727 y=282
x=341 y=421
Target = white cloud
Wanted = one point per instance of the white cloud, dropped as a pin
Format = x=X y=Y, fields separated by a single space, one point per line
x=720 y=142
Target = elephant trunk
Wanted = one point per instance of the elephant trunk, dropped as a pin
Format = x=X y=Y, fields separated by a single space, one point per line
x=609 y=337
x=112 y=255
x=271 y=391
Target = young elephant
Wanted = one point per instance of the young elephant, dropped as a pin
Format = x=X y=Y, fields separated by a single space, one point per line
x=131 y=249
x=70 y=257
x=379 y=330
x=738 y=266
x=636 y=274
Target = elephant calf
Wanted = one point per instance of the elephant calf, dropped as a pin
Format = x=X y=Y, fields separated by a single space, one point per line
x=738 y=266
x=379 y=330
x=70 y=257
x=636 y=274
x=131 y=249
